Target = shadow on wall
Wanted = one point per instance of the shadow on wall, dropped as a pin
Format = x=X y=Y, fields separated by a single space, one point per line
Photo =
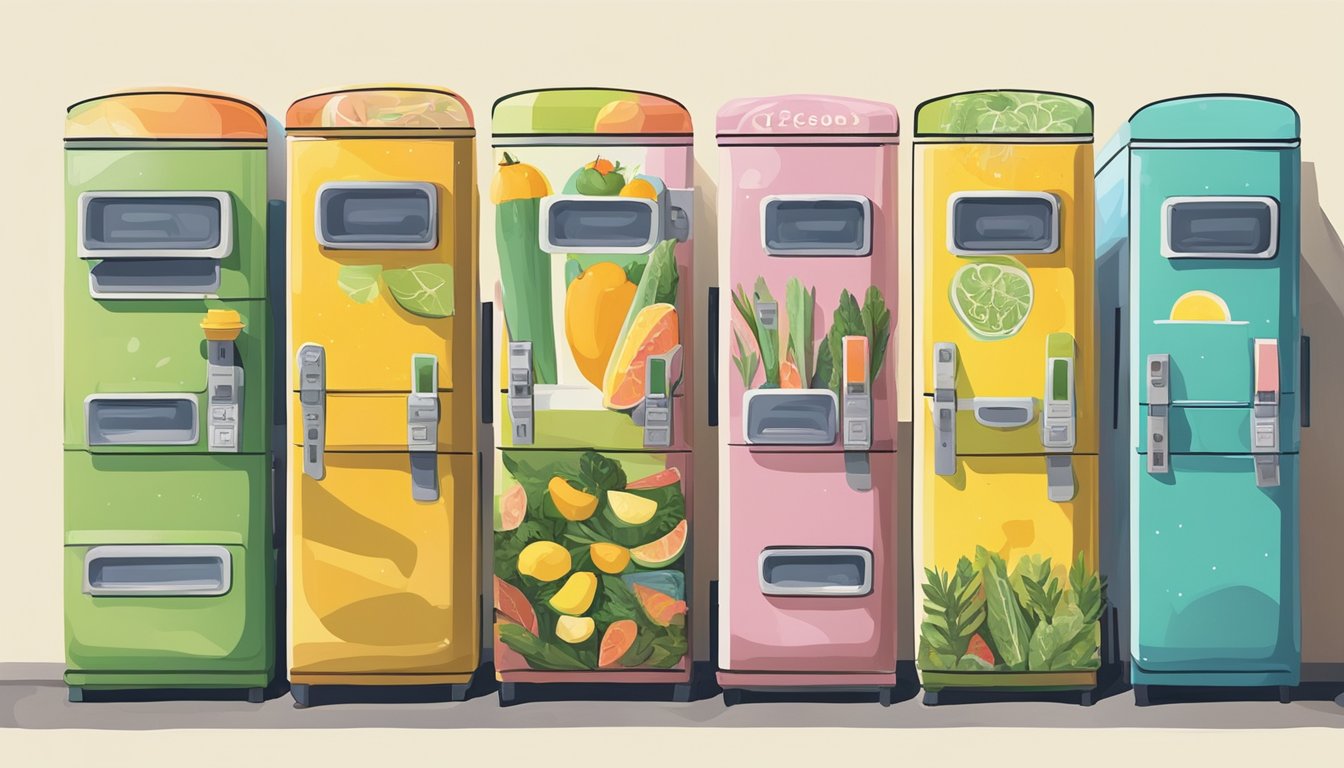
x=1323 y=442
x=705 y=545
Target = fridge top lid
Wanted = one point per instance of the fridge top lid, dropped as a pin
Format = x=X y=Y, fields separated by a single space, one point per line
x=808 y=115
x=165 y=113
x=381 y=107
x=1215 y=117
x=1004 y=113
x=588 y=112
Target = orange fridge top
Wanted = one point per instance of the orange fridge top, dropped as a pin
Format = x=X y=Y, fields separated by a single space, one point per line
x=163 y=113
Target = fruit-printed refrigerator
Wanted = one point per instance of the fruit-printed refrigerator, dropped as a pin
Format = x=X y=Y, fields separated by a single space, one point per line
x=170 y=557
x=1198 y=257
x=592 y=205
x=383 y=402
x=807 y=538
x=1007 y=431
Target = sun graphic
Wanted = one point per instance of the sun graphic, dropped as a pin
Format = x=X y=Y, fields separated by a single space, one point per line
x=1200 y=307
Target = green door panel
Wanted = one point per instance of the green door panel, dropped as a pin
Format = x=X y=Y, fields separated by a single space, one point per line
x=199 y=499
x=229 y=632
x=147 y=346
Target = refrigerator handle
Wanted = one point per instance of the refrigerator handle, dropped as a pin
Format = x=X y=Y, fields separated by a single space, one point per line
x=520 y=392
x=945 y=408
x=223 y=380
x=422 y=427
x=312 y=360
x=1159 y=401
x=1265 y=413
x=1059 y=417
x=712 y=339
x=1305 y=385
x=487 y=372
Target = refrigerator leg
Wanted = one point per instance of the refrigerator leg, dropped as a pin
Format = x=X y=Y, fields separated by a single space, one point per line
x=75 y=694
x=1285 y=694
x=508 y=694
x=732 y=697
x=1141 y=696
x=681 y=693
x=300 y=693
x=930 y=698
x=458 y=692
x=1087 y=698
x=256 y=695
x=885 y=695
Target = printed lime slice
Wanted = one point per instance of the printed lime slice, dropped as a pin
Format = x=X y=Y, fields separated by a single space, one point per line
x=992 y=299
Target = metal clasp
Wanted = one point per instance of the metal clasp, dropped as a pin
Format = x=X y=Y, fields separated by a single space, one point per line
x=520 y=395
x=422 y=427
x=662 y=374
x=1159 y=403
x=312 y=360
x=945 y=408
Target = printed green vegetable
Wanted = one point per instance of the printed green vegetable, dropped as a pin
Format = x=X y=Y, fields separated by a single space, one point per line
x=360 y=281
x=524 y=268
x=426 y=290
x=767 y=338
x=1006 y=623
x=745 y=360
x=799 y=303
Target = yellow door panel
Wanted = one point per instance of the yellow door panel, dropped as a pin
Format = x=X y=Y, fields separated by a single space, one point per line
x=1061 y=282
x=377 y=422
x=367 y=307
x=383 y=584
x=1000 y=503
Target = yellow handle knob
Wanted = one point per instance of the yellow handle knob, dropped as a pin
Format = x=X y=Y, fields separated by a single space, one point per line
x=222 y=324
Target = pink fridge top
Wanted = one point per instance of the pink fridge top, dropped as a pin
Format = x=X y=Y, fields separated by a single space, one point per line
x=744 y=121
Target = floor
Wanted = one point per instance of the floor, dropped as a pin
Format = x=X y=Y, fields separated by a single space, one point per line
x=32 y=697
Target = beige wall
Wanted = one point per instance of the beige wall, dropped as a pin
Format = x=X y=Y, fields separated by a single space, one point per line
x=702 y=53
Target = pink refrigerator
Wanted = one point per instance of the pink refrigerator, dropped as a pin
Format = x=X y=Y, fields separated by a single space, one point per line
x=807 y=559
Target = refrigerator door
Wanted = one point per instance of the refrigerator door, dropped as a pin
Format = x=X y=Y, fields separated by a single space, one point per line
x=1215 y=567
x=998 y=511
x=807 y=587
x=383 y=268
x=383 y=583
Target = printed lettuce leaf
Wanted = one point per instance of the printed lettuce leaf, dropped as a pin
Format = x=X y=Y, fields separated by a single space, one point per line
x=1006 y=623
x=359 y=281
x=1000 y=112
x=426 y=290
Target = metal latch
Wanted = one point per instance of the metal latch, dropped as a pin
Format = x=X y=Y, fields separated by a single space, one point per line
x=223 y=380
x=662 y=372
x=520 y=392
x=312 y=359
x=680 y=204
x=1060 y=484
x=944 y=408
x=1058 y=420
x=422 y=427
x=1265 y=413
x=1159 y=403
x=856 y=407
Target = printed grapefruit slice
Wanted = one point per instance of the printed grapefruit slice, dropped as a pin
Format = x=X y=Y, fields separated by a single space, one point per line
x=655 y=331
x=512 y=509
x=659 y=553
x=656 y=480
x=512 y=603
x=616 y=642
x=661 y=608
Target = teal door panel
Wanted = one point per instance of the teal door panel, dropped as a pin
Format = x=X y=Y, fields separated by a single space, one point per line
x=1260 y=295
x=141 y=347
x=168 y=499
x=1219 y=429
x=199 y=631
x=1215 y=567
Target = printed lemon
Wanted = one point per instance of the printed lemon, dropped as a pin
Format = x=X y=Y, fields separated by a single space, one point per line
x=608 y=557
x=577 y=595
x=573 y=504
x=596 y=304
x=544 y=561
x=574 y=629
x=630 y=510
x=1200 y=307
